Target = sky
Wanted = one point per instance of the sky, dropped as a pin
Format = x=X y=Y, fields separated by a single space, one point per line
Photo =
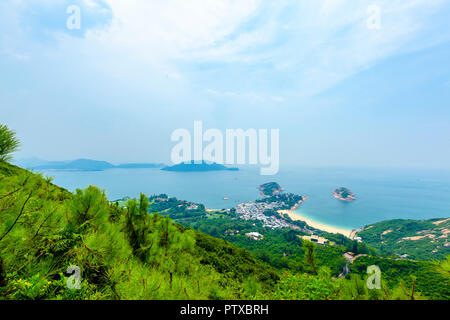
x=347 y=83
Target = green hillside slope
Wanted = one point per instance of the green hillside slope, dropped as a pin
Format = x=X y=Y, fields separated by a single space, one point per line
x=415 y=239
x=129 y=253
x=428 y=277
x=122 y=254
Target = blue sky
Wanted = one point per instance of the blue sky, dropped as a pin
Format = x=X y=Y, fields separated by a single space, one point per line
x=342 y=94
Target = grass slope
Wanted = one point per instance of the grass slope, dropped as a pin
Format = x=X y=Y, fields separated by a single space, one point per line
x=44 y=229
x=419 y=239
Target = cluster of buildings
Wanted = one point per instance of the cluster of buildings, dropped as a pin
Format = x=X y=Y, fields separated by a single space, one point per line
x=255 y=211
x=188 y=205
x=192 y=206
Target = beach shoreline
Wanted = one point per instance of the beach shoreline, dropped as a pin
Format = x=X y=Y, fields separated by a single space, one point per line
x=295 y=216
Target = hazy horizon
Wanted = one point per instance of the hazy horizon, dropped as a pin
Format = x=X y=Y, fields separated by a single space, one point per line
x=24 y=162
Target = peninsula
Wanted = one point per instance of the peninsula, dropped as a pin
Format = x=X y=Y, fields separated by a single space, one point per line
x=270 y=189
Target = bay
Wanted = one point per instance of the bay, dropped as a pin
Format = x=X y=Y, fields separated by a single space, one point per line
x=382 y=194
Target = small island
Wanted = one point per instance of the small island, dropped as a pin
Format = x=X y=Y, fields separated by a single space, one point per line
x=198 y=167
x=270 y=189
x=344 y=194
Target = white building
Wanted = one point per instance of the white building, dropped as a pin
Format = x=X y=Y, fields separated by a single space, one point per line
x=255 y=236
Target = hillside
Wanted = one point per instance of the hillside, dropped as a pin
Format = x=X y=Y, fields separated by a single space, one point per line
x=270 y=189
x=129 y=253
x=280 y=248
x=429 y=277
x=122 y=254
x=415 y=239
x=284 y=249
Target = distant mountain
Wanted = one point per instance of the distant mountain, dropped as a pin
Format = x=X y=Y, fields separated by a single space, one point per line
x=29 y=163
x=139 y=165
x=201 y=167
x=77 y=165
x=83 y=165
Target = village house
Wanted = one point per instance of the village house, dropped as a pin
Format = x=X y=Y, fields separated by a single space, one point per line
x=316 y=239
x=255 y=236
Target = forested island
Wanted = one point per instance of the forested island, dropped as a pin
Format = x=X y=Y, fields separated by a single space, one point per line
x=344 y=194
x=198 y=167
x=270 y=189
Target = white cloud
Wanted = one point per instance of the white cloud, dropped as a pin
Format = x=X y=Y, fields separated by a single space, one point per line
x=317 y=44
x=148 y=70
x=331 y=40
x=249 y=97
x=324 y=42
x=170 y=29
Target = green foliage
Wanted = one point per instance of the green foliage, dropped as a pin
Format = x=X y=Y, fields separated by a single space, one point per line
x=8 y=143
x=88 y=208
x=280 y=248
x=129 y=253
x=233 y=262
x=269 y=189
x=419 y=239
x=432 y=279
x=304 y=287
x=295 y=286
x=122 y=253
x=310 y=255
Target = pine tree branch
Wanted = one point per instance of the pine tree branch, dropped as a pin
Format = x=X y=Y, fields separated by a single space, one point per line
x=18 y=217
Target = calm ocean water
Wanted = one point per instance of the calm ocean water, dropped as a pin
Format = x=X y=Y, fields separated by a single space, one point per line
x=381 y=193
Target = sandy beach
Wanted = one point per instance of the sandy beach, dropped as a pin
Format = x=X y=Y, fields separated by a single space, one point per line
x=297 y=217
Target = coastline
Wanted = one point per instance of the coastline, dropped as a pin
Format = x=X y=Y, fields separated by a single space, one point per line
x=331 y=229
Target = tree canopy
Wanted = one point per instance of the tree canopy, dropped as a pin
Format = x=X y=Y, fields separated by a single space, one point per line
x=8 y=143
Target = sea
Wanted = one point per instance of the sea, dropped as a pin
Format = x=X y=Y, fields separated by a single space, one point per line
x=382 y=194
